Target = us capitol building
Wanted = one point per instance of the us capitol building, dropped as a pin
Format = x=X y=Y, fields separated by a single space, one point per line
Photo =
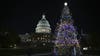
x=41 y=38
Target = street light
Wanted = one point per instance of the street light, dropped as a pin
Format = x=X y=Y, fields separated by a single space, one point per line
x=85 y=48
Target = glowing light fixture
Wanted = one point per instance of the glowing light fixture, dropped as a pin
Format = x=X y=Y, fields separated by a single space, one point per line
x=85 y=48
x=65 y=3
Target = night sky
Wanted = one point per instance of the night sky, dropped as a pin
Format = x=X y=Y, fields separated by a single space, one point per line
x=22 y=16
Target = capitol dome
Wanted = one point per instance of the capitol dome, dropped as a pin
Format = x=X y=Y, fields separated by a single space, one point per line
x=43 y=26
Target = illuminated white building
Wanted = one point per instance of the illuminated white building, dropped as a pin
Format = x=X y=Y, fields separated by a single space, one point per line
x=43 y=26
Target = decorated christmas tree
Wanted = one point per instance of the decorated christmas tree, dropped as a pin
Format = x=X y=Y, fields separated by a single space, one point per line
x=66 y=43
